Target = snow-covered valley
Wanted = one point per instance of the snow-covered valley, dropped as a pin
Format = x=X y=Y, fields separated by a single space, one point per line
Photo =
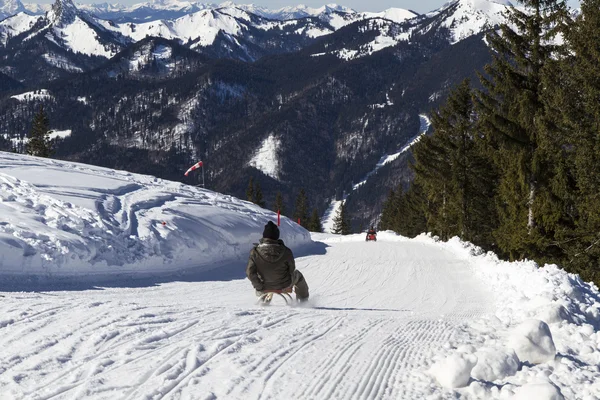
x=396 y=318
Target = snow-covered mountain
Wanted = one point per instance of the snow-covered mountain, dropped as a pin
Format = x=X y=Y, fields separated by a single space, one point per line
x=153 y=58
x=464 y=18
x=297 y=12
x=10 y=7
x=232 y=32
x=16 y=25
x=37 y=9
x=172 y=9
x=67 y=27
x=372 y=35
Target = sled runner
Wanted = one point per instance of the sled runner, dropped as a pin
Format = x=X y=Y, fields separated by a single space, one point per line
x=267 y=295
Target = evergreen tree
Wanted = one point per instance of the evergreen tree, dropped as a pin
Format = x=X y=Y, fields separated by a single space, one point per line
x=410 y=219
x=258 y=196
x=574 y=80
x=279 y=205
x=250 y=191
x=390 y=210
x=341 y=223
x=314 y=224
x=39 y=142
x=454 y=173
x=301 y=208
x=511 y=109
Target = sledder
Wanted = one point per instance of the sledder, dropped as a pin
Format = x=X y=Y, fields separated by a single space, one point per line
x=371 y=235
x=272 y=270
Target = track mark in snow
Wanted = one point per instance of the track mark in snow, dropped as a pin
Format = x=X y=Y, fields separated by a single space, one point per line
x=375 y=323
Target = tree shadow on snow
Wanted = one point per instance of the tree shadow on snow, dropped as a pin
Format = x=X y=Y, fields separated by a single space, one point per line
x=224 y=272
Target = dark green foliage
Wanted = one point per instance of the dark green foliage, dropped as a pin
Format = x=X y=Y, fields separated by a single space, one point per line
x=314 y=224
x=250 y=194
x=39 y=143
x=511 y=109
x=279 y=204
x=341 y=223
x=574 y=80
x=301 y=208
x=454 y=173
x=258 y=196
x=389 y=214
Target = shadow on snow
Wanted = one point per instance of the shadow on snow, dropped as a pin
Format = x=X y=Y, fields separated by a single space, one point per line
x=224 y=272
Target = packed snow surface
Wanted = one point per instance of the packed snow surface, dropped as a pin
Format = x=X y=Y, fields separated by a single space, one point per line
x=61 y=220
x=394 y=319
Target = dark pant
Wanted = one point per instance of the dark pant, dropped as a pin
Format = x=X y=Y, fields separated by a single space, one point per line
x=300 y=285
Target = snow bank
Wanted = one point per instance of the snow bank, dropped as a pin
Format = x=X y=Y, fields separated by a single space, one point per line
x=538 y=391
x=67 y=220
x=542 y=342
x=532 y=341
x=454 y=371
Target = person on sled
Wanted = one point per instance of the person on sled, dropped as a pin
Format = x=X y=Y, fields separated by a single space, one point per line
x=271 y=266
x=371 y=234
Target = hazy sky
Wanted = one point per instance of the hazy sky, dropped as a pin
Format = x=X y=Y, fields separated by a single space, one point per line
x=420 y=6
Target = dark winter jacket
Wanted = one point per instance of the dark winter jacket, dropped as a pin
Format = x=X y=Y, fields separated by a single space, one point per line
x=271 y=265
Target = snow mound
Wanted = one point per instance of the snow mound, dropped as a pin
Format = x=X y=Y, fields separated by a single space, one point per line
x=455 y=370
x=538 y=391
x=495 y=365
x=66 y=220
x=532 y=341
x=550 y=318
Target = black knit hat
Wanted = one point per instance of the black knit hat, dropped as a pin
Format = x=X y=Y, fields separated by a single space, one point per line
x=271 y=231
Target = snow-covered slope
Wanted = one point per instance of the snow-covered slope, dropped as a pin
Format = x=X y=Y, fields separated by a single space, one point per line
x=397 y=15
x=201 y=29
x=16 y=25
x=68 y=27
x=61 y=220
x=299 y=11
x=37 y=9
x=395 y=319
x=266 y=159
x=10 y=7
x=465 y=18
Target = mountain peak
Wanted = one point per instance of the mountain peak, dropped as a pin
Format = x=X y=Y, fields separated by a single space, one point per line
x=10 y=7
x=465 y=18
x=63 y=12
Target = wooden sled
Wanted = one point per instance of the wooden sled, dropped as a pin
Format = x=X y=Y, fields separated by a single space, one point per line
x=285 y=294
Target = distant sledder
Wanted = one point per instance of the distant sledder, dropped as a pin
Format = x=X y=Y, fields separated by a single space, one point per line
x=272 y=269
x=371 y=235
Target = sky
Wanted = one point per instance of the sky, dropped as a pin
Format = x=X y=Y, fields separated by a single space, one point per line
x=420 y=6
